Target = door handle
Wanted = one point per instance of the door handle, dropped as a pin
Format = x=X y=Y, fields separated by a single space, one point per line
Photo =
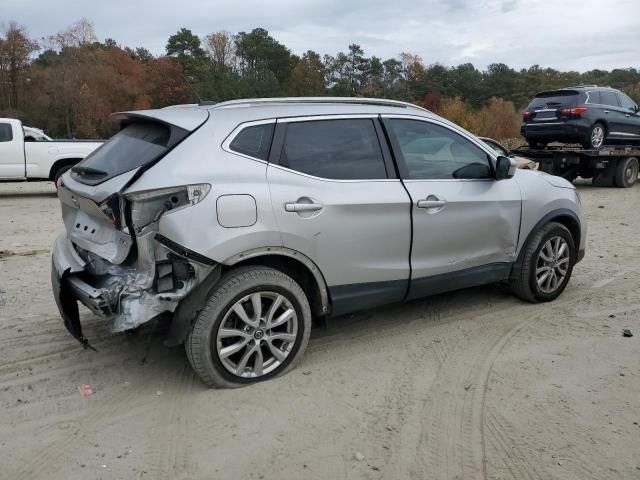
x=302 y=207
x=431 y=203
x=627 y=115
x=606 y=111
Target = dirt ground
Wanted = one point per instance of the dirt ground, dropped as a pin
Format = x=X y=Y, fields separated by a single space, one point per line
x=469 y=385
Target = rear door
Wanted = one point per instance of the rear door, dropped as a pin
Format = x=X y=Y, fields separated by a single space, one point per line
x=338 y=201
x=465 y=223
x=11 y=150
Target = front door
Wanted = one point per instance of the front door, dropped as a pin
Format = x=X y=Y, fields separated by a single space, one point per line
x=336 y=200
x=465 y=223
x=631 y=123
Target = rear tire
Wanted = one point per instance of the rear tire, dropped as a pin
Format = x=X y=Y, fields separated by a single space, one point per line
x=549 y=250
x=61 y=171
x=595 y=137
x=626 y=172
x=236 y=339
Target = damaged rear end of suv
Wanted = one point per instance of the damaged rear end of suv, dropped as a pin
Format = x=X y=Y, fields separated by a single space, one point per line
x=112 y=257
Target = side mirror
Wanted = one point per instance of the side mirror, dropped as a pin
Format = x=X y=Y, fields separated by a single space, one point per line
x=505 y=167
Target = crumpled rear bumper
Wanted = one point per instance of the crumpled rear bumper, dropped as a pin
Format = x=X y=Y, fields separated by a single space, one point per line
x=65 y=260
x=128 y=295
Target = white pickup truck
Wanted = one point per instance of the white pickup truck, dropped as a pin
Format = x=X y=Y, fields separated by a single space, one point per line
x=28 y=154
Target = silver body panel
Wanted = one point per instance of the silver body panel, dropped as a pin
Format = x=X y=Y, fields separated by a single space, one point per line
x=361 y=233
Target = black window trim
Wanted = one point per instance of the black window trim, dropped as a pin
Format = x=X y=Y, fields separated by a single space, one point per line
x=399 y=157
x=10 y=132
x=226 y=143
x=280 y=133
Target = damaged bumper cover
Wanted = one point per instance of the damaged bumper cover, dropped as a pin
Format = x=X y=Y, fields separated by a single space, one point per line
x=129 y=295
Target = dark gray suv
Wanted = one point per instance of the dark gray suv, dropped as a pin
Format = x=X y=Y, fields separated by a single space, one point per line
x=587 y=114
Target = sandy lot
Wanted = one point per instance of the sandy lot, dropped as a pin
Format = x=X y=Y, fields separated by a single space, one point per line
x=469 y=385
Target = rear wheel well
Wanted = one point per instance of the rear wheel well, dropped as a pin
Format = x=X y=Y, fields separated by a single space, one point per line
x=65 y=162
x=296 y=270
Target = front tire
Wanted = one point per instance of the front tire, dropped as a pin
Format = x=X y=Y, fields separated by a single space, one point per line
x=626 y=172
x=254 y=326
x=547 y=262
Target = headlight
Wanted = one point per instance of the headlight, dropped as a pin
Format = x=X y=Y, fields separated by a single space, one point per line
x=148 y=206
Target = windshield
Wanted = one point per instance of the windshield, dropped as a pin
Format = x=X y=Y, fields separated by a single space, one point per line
x=135 y=145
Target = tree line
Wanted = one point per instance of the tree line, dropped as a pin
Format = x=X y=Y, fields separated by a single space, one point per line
x=70 y=82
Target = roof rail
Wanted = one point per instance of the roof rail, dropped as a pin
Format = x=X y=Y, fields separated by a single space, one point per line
x=320 y=100
x=583 y=86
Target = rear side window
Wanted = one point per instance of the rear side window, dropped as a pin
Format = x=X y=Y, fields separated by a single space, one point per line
x=609 y=98
x=134 y=146
x=6 y=133
x=594 y=97
x=334 y=149
x=254 y=141
x=554 y=99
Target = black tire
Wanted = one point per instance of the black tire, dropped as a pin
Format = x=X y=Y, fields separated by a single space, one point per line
x=60 y=171
x=523 y=282
x=588 y=142
x=626 y=172
x=536 y=144
x=232 y=287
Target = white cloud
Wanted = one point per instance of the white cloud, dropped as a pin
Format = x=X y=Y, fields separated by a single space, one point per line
x=571 y=34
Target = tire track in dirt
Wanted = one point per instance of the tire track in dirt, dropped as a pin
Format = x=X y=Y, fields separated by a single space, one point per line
x=171 y=448
x=42 y=464
x=501 y=437
x=453 y=426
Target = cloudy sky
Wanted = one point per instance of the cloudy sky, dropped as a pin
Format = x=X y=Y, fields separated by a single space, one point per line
x=564 y=34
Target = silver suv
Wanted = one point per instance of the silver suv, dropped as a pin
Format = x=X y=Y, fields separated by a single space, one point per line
x=245 y=220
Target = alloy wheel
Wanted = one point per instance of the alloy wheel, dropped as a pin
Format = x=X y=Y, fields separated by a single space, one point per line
x=552 y=264
x=257 y=334
x=597 y=136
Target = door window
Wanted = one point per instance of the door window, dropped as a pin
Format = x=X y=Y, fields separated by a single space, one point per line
x=609 y=98
x=336 y=149
x=254 y=141
x=6 y=133
x=431 y=151
x=626 y=103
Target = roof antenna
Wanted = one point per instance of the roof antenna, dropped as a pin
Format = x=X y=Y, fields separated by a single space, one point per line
x=191 y=88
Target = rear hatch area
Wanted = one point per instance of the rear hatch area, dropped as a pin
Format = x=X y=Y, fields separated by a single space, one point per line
x=547 y=106
x=109 y=258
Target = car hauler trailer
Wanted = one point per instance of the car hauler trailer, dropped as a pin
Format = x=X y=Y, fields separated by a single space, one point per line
x=609 y=166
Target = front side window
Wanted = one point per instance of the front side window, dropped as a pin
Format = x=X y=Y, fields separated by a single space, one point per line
x=6 y=133
x=254 y=141
x=434 y=152
x=335 y=149
x=496 y=147
x=609 y=98
x=626 y=103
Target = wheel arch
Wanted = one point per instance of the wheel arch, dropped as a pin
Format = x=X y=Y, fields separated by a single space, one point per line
x=562 y=216
x=293 y=263
x=62 y=162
